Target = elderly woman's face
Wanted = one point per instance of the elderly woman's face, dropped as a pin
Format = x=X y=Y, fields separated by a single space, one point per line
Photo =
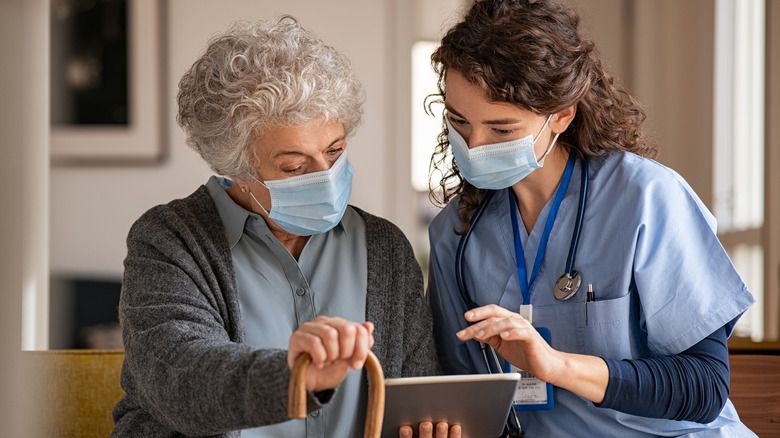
x=289 y=151
x=296 y=150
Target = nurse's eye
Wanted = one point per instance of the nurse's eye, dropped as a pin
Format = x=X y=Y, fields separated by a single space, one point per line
x=503 y=132
x=458 y=122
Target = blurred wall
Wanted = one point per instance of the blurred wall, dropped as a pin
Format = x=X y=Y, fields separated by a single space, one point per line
x=93 y=207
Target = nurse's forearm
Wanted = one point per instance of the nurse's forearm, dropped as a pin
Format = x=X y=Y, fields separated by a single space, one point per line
x=586 y=376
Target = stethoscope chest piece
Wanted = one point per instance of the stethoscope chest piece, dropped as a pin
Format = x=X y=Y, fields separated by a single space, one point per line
x=567 y=285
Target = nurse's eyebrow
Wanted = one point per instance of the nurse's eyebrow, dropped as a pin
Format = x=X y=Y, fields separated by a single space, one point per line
x=486 y=122
x=452 y=110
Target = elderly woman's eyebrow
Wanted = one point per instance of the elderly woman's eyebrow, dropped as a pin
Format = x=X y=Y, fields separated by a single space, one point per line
x=295 y=152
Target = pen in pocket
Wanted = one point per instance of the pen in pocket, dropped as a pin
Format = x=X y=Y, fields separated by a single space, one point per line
x=590 y=297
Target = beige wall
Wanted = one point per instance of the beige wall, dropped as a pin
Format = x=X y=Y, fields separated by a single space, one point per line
x=673 y=76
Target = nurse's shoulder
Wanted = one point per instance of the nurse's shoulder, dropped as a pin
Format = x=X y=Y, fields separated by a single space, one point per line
x=647 y=182
x=445 y=222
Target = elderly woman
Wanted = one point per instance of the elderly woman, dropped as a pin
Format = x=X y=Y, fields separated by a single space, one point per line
x=224 y=288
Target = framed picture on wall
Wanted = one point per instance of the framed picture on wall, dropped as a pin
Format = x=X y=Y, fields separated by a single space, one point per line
x=106 y=81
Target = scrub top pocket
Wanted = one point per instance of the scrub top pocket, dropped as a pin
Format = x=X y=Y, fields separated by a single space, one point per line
x=611 y=330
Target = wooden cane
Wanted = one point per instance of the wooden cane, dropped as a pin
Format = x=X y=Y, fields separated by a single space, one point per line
x=375 y=410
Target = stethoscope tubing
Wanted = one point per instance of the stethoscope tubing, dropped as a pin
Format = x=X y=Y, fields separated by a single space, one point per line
x=470 y=304
x=575 y=237
x=462 y=248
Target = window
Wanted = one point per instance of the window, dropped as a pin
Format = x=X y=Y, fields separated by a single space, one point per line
x=425 y=127
x=739 y=154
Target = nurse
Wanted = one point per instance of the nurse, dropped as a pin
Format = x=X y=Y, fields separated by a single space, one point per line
x=570 y=225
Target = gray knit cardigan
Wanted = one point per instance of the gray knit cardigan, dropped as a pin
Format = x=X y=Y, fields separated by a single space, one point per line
x=187 y=369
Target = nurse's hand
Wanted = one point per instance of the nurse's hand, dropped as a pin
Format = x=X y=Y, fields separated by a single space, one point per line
x=335 y=346
x=517 y=341
x=514 y=338
x=427 y=431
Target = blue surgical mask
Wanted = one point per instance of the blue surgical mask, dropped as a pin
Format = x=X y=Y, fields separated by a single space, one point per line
x=499 y=165
x=312 y=203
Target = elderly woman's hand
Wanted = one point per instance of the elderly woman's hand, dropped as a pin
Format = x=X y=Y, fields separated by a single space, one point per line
x=427 y=430
x=335 y=346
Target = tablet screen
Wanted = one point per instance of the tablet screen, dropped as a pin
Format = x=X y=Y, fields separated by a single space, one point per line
x=480 y=403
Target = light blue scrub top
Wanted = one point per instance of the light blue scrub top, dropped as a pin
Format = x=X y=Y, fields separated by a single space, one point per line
x=277 y=294
x=662 y=283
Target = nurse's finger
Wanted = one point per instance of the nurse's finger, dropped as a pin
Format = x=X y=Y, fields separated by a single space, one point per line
x=484 y=312
x=516 y=329
x=494 y=327
x=476 y=330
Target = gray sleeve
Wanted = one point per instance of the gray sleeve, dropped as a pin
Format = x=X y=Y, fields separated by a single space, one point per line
x=396 y=303
x=420 y=357
x=185 y=365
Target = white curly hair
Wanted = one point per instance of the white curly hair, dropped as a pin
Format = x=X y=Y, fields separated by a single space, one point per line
x=258 y=75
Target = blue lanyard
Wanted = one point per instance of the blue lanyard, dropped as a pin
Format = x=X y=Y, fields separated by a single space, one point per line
x=525 y=284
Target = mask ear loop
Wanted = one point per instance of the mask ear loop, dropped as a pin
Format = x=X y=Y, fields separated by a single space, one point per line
x=244 y=190
x=549 y=148
x=541 y=160
x=258 y=203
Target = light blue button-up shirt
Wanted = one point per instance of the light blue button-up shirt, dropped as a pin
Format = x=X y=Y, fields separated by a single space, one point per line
x=648 y=246
x=277 y=294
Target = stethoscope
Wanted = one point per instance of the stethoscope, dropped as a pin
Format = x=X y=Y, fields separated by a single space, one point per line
x=566 y=286
x=568 y=283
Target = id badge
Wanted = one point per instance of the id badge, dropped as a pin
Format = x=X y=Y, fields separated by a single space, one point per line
x=532 y=394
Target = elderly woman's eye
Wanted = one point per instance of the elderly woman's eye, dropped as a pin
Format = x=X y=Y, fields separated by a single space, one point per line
x=296 y=169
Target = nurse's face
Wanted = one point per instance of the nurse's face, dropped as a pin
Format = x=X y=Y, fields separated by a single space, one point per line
x=481 y=122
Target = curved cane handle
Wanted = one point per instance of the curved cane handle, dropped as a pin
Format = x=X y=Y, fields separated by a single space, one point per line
x=375 y=410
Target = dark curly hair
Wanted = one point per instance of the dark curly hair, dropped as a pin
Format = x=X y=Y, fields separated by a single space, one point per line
x=530 y=54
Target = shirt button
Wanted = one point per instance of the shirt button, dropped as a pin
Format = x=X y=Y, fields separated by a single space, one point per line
x=300 y=292
x=317 y=412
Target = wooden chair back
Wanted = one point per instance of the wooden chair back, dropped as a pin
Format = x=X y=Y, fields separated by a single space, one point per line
x=74 y=391
x=755 y=392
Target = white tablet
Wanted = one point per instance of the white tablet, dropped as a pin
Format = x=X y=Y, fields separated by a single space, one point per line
x=480 y=403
